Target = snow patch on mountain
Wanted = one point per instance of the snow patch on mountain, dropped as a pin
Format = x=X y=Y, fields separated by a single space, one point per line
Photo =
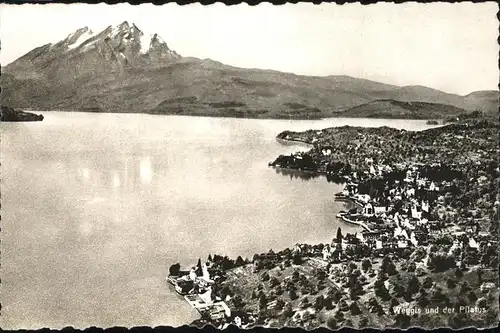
x=88 y=46
x=145 y=42
x=80 y=40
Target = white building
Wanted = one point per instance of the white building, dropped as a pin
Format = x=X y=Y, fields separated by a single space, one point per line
x=425 y=206
x=364 y=198
x=326 y=252
x=379 y=209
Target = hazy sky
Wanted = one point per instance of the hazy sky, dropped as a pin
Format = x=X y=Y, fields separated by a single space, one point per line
x=451 y=47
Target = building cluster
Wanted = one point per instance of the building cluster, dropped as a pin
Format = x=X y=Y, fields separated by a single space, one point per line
x=410 y=189
x=425 y=201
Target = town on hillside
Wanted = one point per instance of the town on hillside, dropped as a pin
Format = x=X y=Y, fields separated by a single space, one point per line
x=426 y=253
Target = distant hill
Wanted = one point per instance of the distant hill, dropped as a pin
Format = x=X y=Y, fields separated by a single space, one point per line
x=122 y=69
x=486 y=100
x=389 y=108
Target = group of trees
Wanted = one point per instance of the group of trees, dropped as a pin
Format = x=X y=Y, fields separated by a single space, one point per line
x=338 y=168
x=305 y=162
x=225 y=263
x=440 y=262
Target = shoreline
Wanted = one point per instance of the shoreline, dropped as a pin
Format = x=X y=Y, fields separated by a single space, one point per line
x=228 y=116
x=403 y=237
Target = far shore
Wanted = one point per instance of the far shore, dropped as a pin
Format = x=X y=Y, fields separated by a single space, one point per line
x=246 y=116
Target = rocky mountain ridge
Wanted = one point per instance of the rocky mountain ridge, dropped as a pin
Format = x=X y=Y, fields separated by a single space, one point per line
x=122 y=69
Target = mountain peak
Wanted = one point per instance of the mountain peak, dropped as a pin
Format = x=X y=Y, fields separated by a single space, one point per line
x=78 y=37
x=134 y=27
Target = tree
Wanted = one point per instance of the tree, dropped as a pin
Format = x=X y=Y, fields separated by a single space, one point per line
x=262 y=301
x=287 y=310
x=331 y=323
x=472 y=296
x=337 y=295
x=398 y=289
x=413 y=285
x=225 y=291
x=381 y=275
x=363 y=323
x=437 y=296
x=381 y=290
x=450 y=283
x=394 y=303
x=339 y=315
x=480 y=273
x=411 y=267
x=427 y=282
x=464 y=287
x=339 y=235
x=343 y=306
x=402 y=321
x=209 y=258
x=273 y=282
x=460 y=302
x=238 y=302
x=366 y=265
x=328 y=302
x=440 y=262
x=279 y=304
x=355 y=310
x=321 y=274
x=264 y=276
x=305 y=303
x=423 y=301
x=457 y=321
x=388 y=266
x=292 y=294
x=199 y=270
x=239 y=261
x=319 y=302
x=297 y=259
x=174 y=270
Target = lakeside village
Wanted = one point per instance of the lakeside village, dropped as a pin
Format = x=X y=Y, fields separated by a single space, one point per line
x=425 y=255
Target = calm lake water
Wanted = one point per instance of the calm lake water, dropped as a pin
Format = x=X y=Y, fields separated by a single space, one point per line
x=95 y=207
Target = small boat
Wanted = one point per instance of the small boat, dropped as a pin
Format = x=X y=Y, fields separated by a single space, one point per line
x=340 y=214
x=352 y=218
x=342 y=196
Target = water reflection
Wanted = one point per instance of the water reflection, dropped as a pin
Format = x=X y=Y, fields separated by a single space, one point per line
x=307 y=175
x=116 y=179
x=84 y=173
x=296 y=174
x=146 y=172
x=112 y=173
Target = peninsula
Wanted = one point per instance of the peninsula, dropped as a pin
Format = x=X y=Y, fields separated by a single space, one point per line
x=427 y=256
x=10 y=115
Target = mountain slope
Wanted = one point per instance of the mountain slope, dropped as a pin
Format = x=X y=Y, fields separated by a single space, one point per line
x=390 y=108
x=122 y=69
x=485 y=100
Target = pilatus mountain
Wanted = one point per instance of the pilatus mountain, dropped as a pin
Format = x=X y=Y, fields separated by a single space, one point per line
x=122 y=69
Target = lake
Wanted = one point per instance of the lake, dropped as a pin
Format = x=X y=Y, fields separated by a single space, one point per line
x=96 y=207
